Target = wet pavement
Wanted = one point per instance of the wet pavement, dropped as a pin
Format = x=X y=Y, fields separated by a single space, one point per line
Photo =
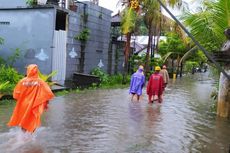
x=106 y=121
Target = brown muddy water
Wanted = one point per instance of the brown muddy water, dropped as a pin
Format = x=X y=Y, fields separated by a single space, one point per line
x=106 y=121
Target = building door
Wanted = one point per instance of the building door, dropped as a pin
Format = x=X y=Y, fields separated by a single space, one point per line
x=59 y=56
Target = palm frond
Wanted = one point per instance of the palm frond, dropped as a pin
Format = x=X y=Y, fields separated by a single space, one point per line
x=208 y=25
x=128 y=21
x=166 y=56
x=221 y=12
x=187 y=53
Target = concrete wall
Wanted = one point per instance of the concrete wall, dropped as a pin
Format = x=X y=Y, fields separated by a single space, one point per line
x=117 y=58
x=72 y=45
x=12 y=3
x=98 y=22
x=30 y=30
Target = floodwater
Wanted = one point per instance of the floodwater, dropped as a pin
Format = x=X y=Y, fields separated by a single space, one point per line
x=106 y=121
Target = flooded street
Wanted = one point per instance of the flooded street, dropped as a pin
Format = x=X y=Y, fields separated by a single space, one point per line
x=106 y=121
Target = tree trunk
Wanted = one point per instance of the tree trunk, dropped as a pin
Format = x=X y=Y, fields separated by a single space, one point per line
x=181 y=69
x=82 y=59
x=1 y=95
x=157 y=35
x=178 y=66
x=148 y=49
x=110 y=58
x=223 y=105
x=153 y=46
x=127 y=51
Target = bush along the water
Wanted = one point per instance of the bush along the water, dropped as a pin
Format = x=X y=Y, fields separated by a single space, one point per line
x=10 y=75
x=106 y=79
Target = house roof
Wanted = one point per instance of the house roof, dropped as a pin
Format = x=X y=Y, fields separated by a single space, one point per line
x=143 y=40
x=137 y=46
x=46 y=6
x=139 y=42
x=144 y=51
x=116 y=20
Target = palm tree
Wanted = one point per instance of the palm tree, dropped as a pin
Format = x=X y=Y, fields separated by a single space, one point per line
x=151 y=11
x=128 y=25
x=208 y=24
x=173 y=47
x=129 y=17
x=153 y=18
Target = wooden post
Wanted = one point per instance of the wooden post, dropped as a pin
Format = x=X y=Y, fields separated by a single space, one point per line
x=223 y=105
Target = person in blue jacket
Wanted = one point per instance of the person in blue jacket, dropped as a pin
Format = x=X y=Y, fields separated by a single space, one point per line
x=137 y=83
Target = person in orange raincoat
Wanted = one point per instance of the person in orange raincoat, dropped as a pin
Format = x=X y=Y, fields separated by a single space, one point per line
x=32 y=95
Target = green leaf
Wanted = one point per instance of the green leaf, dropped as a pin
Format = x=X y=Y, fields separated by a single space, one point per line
x=128 y=21
x=45 y=77
x=3 y=85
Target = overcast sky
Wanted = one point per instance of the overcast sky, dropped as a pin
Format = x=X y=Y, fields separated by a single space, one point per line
x=112 y=5
x=109 y=4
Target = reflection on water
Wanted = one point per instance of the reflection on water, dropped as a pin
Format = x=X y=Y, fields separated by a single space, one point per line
x=106 y=121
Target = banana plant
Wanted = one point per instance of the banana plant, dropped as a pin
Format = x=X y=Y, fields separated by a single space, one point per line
x=46 y=77
x=3 y=86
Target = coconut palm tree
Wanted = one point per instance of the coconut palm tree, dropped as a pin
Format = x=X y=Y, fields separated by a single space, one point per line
x=154 y=21
x=152 y=17
x=208 y=24
x=129 y=17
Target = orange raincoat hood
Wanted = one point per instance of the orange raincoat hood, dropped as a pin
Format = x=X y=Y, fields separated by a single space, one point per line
x=32 y=95
x=32 y=71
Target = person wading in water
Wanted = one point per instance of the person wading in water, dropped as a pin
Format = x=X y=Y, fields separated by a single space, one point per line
x=155 y=86
x=137 y=83
x=32 y=95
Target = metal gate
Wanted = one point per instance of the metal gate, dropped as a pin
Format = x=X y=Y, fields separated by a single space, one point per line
x=59 y=56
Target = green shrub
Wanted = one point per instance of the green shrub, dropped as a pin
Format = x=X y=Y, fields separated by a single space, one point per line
x=3 y=86
x=104 y=78
x=9 y=74
x=109 y=80
x=189 y=65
